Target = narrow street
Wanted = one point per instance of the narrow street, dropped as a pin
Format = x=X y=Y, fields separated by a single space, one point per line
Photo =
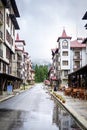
x=30 y=110
x=35 y=109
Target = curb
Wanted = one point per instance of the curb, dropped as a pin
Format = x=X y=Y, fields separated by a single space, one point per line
x=6 y=98
x=79 y=119
x=17 y=93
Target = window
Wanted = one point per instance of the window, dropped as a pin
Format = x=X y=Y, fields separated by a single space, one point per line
x=7 y=53
x=0 y=65
x=4 y=67
x=13 y=31
x=77 y=54
x=9 y=38
x=65 y=53
x=11 y=28
x=77 y=63
x=65 y=44
x=65 y=72
x=14 y=56
x=7 y=19
x=65 y=63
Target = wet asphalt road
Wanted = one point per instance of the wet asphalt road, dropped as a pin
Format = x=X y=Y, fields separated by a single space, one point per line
x=30 y=110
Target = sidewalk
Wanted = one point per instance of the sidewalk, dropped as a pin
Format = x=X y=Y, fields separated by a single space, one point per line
x=76 y=107
x=6 y=96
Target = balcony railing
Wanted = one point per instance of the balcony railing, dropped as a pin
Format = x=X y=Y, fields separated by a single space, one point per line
x=78 y=57
x=76 y=67
x=1 y=53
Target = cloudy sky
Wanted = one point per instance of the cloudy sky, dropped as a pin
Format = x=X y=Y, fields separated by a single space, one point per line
x=42 y=21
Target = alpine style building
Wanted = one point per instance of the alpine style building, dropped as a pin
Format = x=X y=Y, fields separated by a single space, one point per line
x=67 y=58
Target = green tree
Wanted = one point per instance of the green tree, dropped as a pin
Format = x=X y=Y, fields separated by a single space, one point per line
x=41 y=73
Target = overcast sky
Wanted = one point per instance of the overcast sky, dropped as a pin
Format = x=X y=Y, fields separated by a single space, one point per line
x=42 y=21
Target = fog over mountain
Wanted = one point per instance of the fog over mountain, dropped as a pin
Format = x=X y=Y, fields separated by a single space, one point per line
x=41 y=62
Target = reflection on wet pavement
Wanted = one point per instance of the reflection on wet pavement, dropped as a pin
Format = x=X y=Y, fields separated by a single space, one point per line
x=22 y=120
x=63 y=119
x=37 y=113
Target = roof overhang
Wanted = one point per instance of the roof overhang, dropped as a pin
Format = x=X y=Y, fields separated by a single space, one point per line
x=82 y=70
x=85 y=16
x=5 y=3
x=21 y=41
x=14 y=21
x=9 y=77
x=85 y=26
x=14 y=6
x=63 y=38
x=84 y=41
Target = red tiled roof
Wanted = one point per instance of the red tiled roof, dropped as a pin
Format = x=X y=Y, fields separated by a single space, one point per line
x=54 y=78
x=76 y=44
x=21 y=41
x=17 y=49
x=18 y=39
x=32 y=70
x=64 y=35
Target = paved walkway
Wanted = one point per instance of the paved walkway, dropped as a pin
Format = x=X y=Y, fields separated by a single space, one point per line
x=7 y=95
x=77 y=108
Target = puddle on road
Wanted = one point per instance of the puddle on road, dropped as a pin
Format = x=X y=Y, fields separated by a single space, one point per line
x=25 y=120
x=63 y=119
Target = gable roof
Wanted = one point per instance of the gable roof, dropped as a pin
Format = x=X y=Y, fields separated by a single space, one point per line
x=64 y=35
x=54 y=51
x=14 y=6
